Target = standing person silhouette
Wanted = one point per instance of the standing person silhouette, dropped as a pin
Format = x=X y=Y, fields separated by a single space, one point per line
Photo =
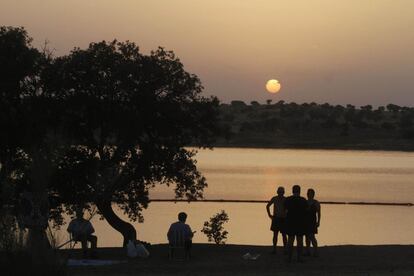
x=313 y=222
x=278 y=218
x=296 y=208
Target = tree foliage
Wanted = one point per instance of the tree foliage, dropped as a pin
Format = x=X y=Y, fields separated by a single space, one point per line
x=102 y=126
x=131 y=116
x=22 y=115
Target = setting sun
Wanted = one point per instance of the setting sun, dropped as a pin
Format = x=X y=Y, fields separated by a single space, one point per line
x=273 y=86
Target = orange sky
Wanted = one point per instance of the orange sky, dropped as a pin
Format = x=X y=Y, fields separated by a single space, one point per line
x=337 y=51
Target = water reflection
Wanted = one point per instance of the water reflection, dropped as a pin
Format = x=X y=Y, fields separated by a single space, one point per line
x=254 y=174
x=249 y=224
x=335 y=175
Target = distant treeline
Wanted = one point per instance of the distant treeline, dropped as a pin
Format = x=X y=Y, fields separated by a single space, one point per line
x=312 y=125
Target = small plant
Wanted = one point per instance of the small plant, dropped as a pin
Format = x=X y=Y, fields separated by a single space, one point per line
x=214 y=230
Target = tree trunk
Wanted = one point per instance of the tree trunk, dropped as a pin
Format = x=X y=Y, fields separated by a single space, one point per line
x=126 y=229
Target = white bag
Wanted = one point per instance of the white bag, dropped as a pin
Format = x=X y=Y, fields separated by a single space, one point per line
x=131 y=251
x=136 y=250
x=141 y=250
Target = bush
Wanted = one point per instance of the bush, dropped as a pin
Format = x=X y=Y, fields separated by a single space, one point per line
x=16 y=256
x=214 y=229
x=10 y=234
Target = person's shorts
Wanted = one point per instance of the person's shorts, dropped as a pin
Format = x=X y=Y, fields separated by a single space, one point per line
x=278 y=224
x=296 y=228
x=312 y=229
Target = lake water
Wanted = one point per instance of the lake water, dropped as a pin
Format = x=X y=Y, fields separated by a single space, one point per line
x=254 y=174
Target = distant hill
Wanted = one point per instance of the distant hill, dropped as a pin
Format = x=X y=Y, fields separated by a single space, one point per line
x=311 y=125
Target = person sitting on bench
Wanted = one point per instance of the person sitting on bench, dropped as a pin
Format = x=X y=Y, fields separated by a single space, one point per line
x=81 y=230
x=180 y=235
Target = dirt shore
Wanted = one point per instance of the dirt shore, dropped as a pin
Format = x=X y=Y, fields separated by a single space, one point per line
x=209 y=259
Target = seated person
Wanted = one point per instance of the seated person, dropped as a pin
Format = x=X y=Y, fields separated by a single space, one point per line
x=180 y=234
x=81 y=230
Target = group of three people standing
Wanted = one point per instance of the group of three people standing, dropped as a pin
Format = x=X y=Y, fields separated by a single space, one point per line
x=295 y=217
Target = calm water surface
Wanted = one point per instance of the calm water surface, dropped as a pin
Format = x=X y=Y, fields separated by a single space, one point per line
x=336 y=175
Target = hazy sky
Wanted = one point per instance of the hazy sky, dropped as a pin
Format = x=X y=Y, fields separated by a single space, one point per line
x=336 y=51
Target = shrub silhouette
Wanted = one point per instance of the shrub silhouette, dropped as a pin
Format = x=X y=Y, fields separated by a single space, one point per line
x=214 y=229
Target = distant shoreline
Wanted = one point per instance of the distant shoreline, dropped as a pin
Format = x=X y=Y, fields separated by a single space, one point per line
x=363 y=147
x=316 y=126
x=403 y=204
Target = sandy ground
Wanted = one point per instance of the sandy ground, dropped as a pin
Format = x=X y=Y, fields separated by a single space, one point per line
x=210 y=259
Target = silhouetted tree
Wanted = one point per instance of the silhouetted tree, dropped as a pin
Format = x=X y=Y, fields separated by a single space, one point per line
x=393 y=108
x=366 y=107
x=29 y=121
x=130 y=116
x=238 y=104
x=99 y=126
x=21 y=120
